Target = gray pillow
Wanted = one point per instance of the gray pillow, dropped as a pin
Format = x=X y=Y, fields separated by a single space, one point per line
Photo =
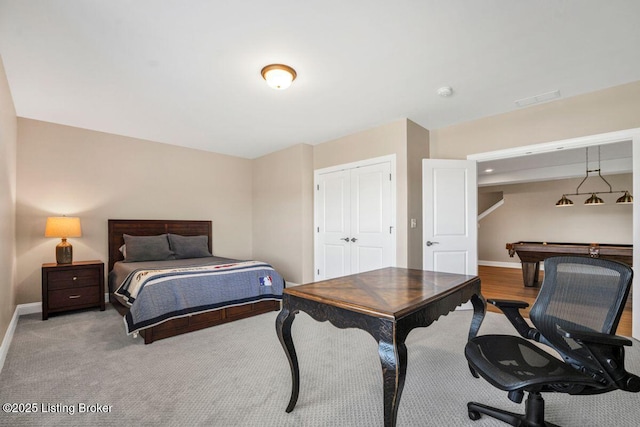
x=189 y=246
x=147 y=248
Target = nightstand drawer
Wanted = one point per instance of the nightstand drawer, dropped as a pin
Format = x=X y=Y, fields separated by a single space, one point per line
x=76 y=278
x=73 y=297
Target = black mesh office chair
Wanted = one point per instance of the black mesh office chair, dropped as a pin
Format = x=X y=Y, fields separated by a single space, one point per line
x=576 y=313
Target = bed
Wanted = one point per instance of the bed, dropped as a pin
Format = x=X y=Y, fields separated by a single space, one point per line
x=146 y=291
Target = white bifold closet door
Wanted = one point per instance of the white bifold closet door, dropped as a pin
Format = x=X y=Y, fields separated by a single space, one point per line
x=353 y=221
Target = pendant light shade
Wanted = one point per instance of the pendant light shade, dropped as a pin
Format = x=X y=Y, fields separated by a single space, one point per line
x=594 y=200
x=626 y=199
x=564 y=202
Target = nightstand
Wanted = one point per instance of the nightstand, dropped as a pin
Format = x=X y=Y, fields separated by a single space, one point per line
x=71 y=286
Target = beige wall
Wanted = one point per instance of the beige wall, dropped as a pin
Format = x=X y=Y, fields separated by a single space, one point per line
x=283 y=194
x=97 y=176
x=8 y=143
x=529 y=213
x=283 y=211
x=417 y=149
x=261 y=209
x=603 y=111
x=380 y=141
x=487 y=200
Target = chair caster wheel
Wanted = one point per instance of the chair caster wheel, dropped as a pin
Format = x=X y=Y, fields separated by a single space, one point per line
x=474 y=415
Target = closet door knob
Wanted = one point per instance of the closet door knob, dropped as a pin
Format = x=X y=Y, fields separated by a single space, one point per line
x=353 y=239
x=346 y=239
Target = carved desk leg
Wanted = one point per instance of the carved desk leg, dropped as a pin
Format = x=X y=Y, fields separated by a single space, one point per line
x=283 y=328
x=393 y=357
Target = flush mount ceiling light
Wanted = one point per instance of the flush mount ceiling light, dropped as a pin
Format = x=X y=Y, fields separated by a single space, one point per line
x=279 y=76
x=594 y=200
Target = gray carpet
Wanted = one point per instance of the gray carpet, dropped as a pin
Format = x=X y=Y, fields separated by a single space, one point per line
x=237 y=375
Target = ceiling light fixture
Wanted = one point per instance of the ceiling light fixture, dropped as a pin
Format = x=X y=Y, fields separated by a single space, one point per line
x=278 y=76
x=445 y=91
x=594 y=200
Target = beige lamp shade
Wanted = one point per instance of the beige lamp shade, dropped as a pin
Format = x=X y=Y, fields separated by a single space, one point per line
x=63 y=227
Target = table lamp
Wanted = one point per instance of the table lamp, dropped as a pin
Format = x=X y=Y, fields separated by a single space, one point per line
x=63 y=227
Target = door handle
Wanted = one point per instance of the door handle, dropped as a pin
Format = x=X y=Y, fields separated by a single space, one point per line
x=353 y=239
x=430 y=243
x=346 y=239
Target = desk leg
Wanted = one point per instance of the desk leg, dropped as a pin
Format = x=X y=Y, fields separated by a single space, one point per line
x=283 y=328
x=394 y=369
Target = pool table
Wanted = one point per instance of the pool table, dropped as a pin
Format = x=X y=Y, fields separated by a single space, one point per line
x=531 y=253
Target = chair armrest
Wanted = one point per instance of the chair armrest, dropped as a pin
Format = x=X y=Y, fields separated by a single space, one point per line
x=511 y=309
x=507 y=303
x=608 y=351
x=598 y=338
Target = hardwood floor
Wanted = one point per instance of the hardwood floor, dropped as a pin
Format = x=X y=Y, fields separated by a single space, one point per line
x=506 y=283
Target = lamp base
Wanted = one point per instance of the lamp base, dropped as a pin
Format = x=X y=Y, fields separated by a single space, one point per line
x=64 y=252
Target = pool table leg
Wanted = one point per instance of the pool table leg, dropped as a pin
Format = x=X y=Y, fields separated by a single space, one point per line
x=530 y=273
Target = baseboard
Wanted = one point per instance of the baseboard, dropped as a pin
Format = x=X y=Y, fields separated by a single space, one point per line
x=8 y=336
x=500 y=264
x=20 y=310
x=505 y=264
x=31 y=308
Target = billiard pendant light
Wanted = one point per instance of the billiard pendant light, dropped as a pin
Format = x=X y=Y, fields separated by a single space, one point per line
x=594 y=200
x=564 y=202
x=626 y=199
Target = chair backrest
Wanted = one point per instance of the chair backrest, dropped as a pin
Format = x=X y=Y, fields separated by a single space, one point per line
x=583 y=294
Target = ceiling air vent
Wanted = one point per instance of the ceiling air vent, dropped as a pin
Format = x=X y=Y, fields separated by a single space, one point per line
x=543 y=97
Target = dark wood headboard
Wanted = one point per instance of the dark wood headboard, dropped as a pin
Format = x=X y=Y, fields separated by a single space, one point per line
x=151 y=227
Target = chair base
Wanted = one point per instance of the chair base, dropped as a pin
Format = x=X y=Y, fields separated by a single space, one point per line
x=533 y=416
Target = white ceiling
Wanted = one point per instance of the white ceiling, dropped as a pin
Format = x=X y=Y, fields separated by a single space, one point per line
x=188 y=72
x=610 y=159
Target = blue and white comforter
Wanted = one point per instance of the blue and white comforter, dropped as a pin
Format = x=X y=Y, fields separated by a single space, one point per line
x=158 y=294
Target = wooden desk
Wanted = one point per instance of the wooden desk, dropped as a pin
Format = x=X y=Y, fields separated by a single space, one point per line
x=531 y=253
x=386 y=303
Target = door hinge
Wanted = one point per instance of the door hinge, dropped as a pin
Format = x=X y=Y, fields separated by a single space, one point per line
x=390 y=228
x=318 y=272
x=318 y=229
x=318 y=187
x=389 y=177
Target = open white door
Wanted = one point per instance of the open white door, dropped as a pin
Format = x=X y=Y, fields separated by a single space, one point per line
x=450 y=216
